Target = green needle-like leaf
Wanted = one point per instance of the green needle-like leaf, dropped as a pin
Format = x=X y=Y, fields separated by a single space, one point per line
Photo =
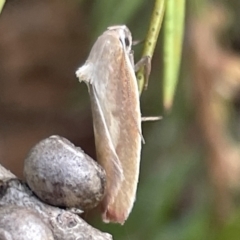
x=173 y=37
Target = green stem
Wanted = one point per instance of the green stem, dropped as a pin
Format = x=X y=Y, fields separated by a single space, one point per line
x=151 y=39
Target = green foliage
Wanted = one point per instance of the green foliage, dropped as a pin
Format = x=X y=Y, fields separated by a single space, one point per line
x=173 y=39
x=1 y=4
x=106 y=13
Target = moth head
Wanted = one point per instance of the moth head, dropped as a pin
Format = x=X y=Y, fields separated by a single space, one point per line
x=124 y=35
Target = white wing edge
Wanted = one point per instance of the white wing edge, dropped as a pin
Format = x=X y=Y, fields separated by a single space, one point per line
x=118 y=163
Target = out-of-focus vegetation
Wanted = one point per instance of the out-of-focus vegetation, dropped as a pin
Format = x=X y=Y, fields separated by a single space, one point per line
x=173 y=40
x=1 y=4
x=190 y=169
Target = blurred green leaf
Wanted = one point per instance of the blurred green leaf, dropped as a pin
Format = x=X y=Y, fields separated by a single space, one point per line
x=173 y=37
x=231 y=230
x=1 y=5
x=106 y=13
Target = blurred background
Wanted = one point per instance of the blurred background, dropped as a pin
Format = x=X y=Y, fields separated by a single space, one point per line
x=189 y=185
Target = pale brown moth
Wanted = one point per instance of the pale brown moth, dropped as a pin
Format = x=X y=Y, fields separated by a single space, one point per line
x=112 y=84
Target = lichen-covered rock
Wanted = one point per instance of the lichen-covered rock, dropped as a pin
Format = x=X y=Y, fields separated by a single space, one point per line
x=62 y=175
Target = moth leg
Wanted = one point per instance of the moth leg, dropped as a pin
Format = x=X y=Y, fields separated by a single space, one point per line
x=144 y=62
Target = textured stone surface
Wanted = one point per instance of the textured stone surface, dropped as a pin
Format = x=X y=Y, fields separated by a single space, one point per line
x=63 y=175
x=22 y=224
x=64 y=224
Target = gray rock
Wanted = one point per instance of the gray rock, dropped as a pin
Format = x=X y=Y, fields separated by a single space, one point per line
x=62 y=175
x=19 y=223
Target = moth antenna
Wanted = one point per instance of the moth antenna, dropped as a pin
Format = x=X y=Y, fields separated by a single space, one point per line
x=151 y=118
x=137 y=42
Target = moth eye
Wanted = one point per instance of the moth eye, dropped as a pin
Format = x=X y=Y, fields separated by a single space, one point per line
x=127 y=42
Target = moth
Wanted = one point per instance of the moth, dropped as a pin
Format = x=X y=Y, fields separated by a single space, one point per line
x=112 y=85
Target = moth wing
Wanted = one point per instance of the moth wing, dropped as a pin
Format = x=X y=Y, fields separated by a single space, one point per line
x=116 y=89
x=129 y=148
x=103 y=94
x=106 y=152
x=117 y=123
